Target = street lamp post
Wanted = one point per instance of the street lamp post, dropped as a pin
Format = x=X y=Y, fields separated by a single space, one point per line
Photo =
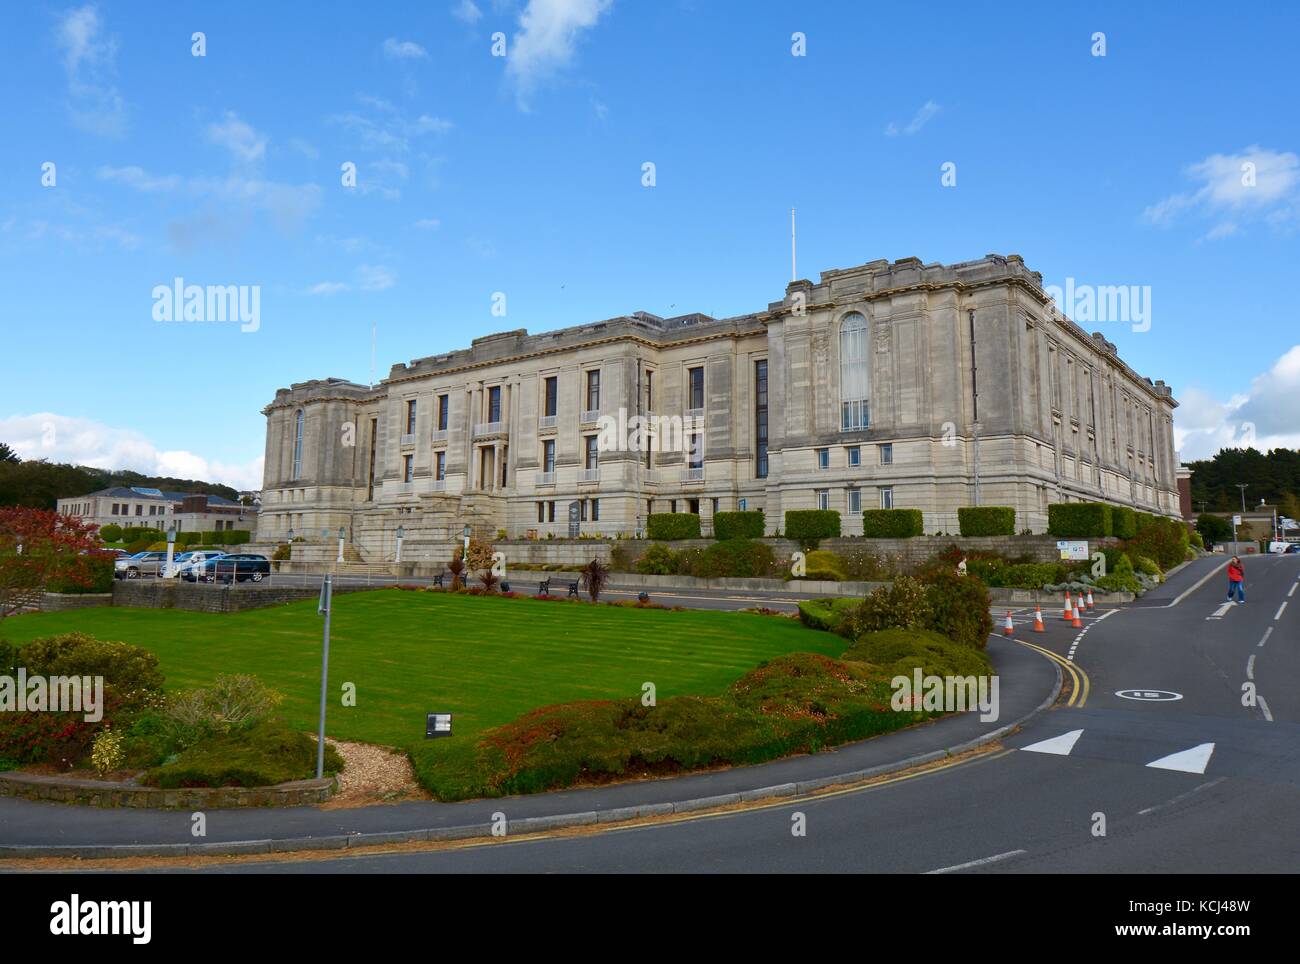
x=401 y=534
x=466 y=549
x=171 y=548
x=1243 y=486
x=341 y=535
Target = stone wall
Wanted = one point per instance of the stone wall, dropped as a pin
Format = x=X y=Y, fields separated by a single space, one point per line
x=105 y=793
x=58 y=602
x=212 y=598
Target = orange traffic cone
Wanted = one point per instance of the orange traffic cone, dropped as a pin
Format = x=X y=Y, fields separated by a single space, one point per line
x=1009 y=629
x=1066 y=614
x=1038 y=620
x=1090 y=602
x=1075 y=621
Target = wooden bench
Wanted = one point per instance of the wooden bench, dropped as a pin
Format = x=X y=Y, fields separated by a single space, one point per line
x=437 y=580
x=573 y=588
x=544 y=587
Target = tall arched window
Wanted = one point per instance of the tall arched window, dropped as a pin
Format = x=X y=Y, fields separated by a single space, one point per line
x=297 y=445
x=853 y=372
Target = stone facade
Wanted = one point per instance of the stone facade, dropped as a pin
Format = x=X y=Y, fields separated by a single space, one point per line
x=907 y=384
x=155 y=509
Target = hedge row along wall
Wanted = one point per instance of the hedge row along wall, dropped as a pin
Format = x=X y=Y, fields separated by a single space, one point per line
x=987 y=520
x=1080 y=520
x=809 y=525
x=737 y=525
x=667 y=526
x=892 y=523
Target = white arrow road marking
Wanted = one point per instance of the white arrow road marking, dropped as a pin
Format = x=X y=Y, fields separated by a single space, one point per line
x=1218 y=613
x=1060 y=745
x=1194 y=760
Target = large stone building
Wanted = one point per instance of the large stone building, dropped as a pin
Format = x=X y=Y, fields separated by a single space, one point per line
x=142 y=507
x=889 y=384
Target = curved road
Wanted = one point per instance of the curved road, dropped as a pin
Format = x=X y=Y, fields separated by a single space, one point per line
x=1206 y=782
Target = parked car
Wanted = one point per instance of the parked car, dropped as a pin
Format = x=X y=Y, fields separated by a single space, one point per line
x=239 y=566
x=141 y=564
x=188 y=560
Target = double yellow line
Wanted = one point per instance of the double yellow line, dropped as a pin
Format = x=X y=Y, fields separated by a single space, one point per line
x=1079 y=691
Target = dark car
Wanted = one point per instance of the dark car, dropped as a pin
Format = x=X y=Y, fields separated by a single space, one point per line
x=239 y=566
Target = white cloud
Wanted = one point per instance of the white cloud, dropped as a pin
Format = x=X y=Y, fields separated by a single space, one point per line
x=327 y=288
x=1254 y=184
x=919 y=120
x=548 y=34
x=428 y=224
x=139 y=179
x=89 y=61
x=82 y=441
x=467 y=12
x=387 y=128
x=376 y=277
x=1263 y=417
x=244 y=143
x=395 y=49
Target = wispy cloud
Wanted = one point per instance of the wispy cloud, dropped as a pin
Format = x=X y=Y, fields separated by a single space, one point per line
x=549 y=31
x=90 y=63
x=244 y=143
x=428 y=224
x=395 y=49
x=919 y=120
x=375 y=277
x=467 y=11
x=1235 y=189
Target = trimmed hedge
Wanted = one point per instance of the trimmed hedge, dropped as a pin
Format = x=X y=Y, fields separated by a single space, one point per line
x=111 y=532
x=892 y=523
x=987 y=520
x=263 y=755
x=1074 y=520
x=809 y=525
x=225 y=537
x=673 y=525
x=738 y=525
x=739 y=558
x=827 y=614
x=1123 y=521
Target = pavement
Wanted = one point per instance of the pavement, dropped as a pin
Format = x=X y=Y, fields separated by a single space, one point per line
x=1175 y=749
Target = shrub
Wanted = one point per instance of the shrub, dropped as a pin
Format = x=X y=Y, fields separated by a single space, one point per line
x=898 y=652
x=959 y=607
x=1123 y=520
x=670 y=526
x=595 y=576
x=903 y=604
x=1195 y=539
x=225 y=537
x=282 y=553
x=743 y=558
x=107 y=753
x=263 y=755
x=1144 y=565
x=658 y=560
x=808 y=526
x=738 y=525
x=1074 y=520
x=1162 y=540
x=892 y=523
x=130 y=671
x=824 y=564
x=93 y=575
x=828 y=615
x=230 y=703
x=866 y=565
x=1214 y=528
x=111 y=532
x=987 y=520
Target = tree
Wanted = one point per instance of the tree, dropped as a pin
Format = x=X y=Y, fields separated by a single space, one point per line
x=595 y=575
x=37 y=546
x=1213 y=528
x=7 y=454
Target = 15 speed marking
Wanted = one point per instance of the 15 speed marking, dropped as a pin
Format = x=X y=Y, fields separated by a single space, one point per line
x=1150 y=696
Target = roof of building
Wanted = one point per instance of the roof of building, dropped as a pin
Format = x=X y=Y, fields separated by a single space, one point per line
x=142 y=492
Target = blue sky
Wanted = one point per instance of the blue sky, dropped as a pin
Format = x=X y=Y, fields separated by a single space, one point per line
x=523 y=175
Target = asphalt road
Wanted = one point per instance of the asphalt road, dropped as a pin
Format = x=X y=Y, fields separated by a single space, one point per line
x=1206 y=782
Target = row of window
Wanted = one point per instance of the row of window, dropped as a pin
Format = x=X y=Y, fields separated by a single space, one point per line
x=588 y=511
x=853 y=455
x=124 y=508
x=885 y=494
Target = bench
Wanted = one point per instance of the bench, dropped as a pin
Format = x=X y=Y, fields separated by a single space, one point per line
x=573 y=588
x=437 y=580
x=544 y=587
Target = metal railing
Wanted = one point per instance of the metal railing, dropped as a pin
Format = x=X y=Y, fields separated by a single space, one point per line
x=589 y=475
x=546 y=422
x=440 y=435
x=408 y=439
x=590 y=416
x=693 y=475
x=545 y=478
x=488 y=428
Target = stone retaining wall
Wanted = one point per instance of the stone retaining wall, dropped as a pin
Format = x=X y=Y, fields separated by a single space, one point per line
x=104 y=793
x=213 y=597
x=58 y=602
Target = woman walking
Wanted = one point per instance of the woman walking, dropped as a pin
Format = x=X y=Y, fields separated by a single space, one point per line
x=1236 y=579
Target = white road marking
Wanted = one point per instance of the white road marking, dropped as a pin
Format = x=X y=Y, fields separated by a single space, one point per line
x=1181 y=797
x=1291 y=592
x=977 y=863
x=1278 y=614
x=1218 y=613
x=1250 y=667
x=1199 y=583
x=1059 y=745
x=1263 y=705
x=1267 y=633
x=1194 y=760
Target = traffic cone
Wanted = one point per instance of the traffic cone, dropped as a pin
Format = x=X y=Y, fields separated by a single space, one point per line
x=1009 y=629
x=1066 y=614
x=1075 y=621
x=1090 y=602
x=1038 y=620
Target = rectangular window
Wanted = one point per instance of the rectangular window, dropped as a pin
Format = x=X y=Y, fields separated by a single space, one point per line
x=593 y=458
x=550 y=512
x=760 y=419
x=541 y=512
x=410 y=416
x=887 y=497
x=887 y=453
x=695 y=457
x=139 y=510
x=855 y=501
x=823 y=498
x=551 y=402
x=855 y=456
x=595 y=510
x=823 y=458
x=697 y=388
x=114 y=512
x=593 y=390
x=408 y=468
x=440 y=466
x=649 y=391
x=548 y=455
x=494 y=404
x=444 y=410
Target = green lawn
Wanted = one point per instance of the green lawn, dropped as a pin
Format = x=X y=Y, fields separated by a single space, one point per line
x=486 y=660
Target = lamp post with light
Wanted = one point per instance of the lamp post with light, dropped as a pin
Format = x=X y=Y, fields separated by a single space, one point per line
x=171 y=548
x=342 y=533
x=401 y=534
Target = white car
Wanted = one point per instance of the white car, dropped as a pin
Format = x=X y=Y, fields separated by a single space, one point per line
x=193 y=561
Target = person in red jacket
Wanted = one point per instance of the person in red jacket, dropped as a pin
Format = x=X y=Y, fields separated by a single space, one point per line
x=1236 y=579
